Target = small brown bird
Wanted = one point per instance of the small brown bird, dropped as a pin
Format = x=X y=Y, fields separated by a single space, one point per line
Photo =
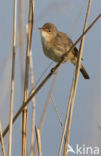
x=55 y=44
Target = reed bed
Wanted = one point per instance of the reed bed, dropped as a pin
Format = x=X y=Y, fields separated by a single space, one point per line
x=36 y=143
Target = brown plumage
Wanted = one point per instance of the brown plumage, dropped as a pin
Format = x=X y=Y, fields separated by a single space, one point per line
x=56 y=44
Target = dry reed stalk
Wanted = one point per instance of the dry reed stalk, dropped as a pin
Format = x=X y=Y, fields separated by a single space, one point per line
x=42 y=121
x=33 y=101
x=47 y=77
x=2 y=141
x=57 y=112
x=66 y=118
x=12 y=80
x=24 y=113
x=21 y=39
x=77 y=70
x=38 y=138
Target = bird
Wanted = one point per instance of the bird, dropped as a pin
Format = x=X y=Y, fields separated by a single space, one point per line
x=55 y=44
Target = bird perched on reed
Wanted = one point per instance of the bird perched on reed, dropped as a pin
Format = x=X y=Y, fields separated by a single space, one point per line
x=55 y=44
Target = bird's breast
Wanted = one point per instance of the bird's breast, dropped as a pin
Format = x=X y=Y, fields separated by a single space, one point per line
x=49 y=51
x=54 y=51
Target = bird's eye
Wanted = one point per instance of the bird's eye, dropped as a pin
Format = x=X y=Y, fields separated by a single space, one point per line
x=49 y=30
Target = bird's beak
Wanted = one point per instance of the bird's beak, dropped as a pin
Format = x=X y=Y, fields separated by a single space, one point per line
x=40 y=28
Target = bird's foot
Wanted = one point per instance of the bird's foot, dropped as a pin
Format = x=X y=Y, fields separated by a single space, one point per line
x=53 y=70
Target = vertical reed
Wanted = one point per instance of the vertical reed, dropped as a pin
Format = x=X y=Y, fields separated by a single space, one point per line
x=77 y=70
x=33 y=111
x=12 y=80
x=24 y=113
x=38 y=138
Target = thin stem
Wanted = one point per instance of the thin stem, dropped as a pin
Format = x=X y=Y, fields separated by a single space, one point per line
x=21 y=40
x=76 y=82
x=24 y=113
x=38 y=141
x=66 y=118
x=2 y=141
x=47 y=77
x=33 y=102
x=57 y=112
x=12 y=80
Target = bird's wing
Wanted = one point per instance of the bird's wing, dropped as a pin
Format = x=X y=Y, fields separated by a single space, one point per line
x=75 y=51
x=64 y=40
x=67 y=42
x=63 y=43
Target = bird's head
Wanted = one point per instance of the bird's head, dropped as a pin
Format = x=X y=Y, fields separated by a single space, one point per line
x=48 y=31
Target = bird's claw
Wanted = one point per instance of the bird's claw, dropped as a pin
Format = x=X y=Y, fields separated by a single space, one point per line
x=53 y=70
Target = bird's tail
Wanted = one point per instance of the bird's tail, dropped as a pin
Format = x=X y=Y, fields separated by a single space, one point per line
x=84 y=73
